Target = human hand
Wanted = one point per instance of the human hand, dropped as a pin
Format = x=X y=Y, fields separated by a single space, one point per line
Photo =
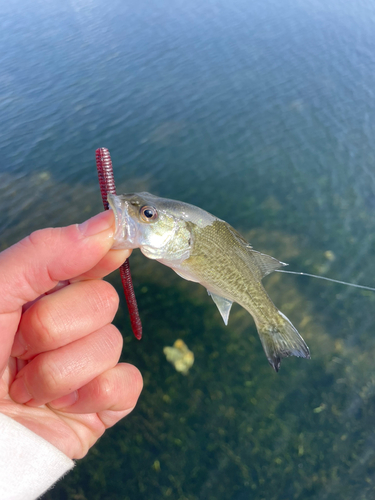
x=59 y=353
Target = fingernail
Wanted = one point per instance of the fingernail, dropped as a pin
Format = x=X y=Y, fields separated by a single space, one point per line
x=19 y=346
x=64 y=401
x=18 y=392
x=97 y=224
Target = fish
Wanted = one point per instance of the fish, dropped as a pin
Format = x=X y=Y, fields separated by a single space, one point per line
x=202 y=248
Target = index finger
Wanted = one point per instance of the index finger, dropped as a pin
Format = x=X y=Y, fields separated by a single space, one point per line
x=109 y=263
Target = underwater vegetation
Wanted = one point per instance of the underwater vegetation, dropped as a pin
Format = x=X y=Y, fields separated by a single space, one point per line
x=231 y=428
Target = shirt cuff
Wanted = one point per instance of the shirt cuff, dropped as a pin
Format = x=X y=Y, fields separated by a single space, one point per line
x=29 y=464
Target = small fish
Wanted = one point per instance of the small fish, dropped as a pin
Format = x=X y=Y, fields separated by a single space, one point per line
x=202 y=248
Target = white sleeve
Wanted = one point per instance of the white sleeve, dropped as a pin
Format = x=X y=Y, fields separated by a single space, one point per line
x=29 y=465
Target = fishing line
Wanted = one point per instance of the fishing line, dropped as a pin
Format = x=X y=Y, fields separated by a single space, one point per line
x=327 y=279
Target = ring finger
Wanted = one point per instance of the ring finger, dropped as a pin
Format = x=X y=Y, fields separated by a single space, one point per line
x=116 y=389
x=54 y=374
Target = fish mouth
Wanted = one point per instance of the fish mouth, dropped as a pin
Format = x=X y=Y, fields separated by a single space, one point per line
x=125 y=232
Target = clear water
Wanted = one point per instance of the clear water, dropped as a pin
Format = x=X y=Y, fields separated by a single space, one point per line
x=263 y=114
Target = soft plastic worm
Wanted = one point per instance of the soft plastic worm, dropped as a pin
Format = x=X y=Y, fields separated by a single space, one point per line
x=107 y=185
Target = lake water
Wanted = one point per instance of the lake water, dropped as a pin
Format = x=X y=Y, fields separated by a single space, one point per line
x=263 y=114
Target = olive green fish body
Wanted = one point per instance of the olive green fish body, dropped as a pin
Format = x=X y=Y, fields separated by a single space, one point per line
x=202 y=248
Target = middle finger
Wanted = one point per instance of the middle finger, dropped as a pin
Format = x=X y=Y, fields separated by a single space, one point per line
x=65 y=316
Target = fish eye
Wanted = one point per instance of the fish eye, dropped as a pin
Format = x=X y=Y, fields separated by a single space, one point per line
x=148 y=213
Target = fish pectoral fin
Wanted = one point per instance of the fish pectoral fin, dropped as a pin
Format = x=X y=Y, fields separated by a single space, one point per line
x=265 y=263
x=185 y=276
x=223 y=305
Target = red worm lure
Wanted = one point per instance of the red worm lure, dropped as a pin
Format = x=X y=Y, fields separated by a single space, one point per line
x=107 y=185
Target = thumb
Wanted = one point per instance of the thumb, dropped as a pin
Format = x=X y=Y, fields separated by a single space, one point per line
x=37 y=263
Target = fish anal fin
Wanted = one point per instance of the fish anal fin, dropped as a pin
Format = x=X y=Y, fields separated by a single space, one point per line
x=222 y=304
x=265 y=264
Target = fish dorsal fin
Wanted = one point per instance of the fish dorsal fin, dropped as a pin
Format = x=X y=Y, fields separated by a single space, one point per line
x=265 y=264
x=237 y=235
x=223 y=305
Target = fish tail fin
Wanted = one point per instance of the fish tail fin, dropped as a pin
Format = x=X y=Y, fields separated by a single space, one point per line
x=280 y=339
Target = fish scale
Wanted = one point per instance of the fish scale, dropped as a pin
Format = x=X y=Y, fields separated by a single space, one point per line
x=229 y=274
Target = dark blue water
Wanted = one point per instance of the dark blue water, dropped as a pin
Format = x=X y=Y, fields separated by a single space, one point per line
x=263 y=114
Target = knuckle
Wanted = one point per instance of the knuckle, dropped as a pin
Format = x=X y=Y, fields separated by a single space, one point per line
x=103 y=297
x=50 y=376
x=135 y=380
x=113 y=340
x=104 y=390
x=41 y=237
x=42 y=324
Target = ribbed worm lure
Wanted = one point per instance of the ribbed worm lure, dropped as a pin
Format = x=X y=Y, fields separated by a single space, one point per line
x=107 y=186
